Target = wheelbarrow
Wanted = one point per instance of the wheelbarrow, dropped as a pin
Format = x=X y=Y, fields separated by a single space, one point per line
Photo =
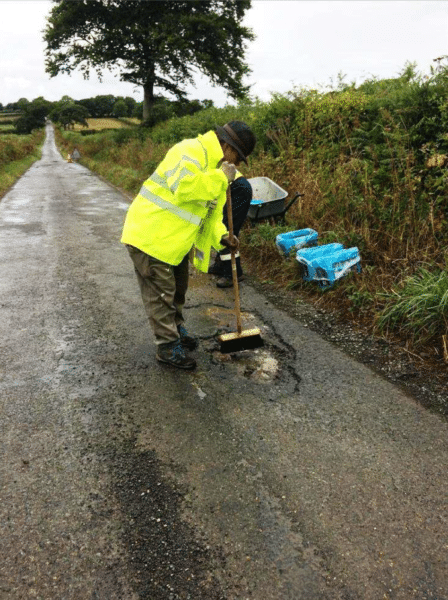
x=268 y=200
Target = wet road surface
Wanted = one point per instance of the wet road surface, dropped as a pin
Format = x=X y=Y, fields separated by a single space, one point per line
x=290 y=472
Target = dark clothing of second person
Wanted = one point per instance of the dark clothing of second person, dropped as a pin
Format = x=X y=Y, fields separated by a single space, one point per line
x=241 y=194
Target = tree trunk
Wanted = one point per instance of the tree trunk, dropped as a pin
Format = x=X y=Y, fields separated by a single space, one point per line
x=148 y=100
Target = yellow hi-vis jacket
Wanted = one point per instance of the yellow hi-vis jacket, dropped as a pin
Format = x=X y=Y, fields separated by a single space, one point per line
x=181 y=205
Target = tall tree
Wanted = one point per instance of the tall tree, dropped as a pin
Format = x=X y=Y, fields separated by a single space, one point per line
x=156 y=44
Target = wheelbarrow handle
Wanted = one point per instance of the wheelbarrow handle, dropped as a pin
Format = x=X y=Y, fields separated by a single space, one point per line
x=298 y=195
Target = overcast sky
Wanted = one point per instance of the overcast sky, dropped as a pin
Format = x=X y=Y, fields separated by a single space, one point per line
x=299 y=43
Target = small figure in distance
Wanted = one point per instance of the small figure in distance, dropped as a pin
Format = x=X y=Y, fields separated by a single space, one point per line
x=76 y=155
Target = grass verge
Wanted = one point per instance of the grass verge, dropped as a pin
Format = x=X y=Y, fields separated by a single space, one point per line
x=419 y=308
x=118 y=156
x=17 y=154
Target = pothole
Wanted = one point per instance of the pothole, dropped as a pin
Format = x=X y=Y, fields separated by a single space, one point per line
x=270 y=364
x=259 y=366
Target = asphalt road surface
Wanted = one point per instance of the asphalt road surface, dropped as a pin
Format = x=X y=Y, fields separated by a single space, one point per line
x=290 y=472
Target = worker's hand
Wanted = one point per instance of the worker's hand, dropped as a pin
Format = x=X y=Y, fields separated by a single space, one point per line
x=231 y=244
x=229 y=170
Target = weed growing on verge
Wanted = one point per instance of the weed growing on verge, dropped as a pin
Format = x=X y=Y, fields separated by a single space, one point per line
x=418 y=308
x=17 y=154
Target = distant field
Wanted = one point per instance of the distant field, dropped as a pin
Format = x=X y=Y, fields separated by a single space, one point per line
x=100 y=124
x=6 y=117
x=7 y=123
x=6 y=128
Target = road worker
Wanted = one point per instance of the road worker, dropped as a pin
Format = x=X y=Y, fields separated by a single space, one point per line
x=177 y=215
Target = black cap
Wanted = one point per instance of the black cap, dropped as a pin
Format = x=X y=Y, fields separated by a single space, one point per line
x=239 y=136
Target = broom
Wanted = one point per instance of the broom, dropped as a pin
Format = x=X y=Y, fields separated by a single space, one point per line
x=242 y=340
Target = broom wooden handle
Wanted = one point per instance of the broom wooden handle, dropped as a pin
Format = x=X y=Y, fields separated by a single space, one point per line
x=233 y=261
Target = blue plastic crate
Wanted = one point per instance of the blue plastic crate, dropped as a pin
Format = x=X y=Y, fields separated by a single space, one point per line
x=331 y=264
x=338 y=266
x=294 y=240
x=307 y=257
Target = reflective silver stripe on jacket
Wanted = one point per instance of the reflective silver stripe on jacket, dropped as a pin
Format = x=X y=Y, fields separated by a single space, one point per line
x=179 y=212
x=228 y=256
x=157 y=179
x=198 y=254
x=205 y=154
x=182 y=174
x=162 y=181
x=184 y=158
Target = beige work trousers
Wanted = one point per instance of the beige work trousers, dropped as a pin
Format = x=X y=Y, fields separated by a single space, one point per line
x=163 y=288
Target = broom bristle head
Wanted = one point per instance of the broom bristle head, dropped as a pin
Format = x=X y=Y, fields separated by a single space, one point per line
x=246 y=340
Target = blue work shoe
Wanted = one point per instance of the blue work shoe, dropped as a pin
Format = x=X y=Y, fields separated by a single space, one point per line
x=172 y=353
x=189 y=342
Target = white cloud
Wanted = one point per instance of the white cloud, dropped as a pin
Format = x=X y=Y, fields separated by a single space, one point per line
x=17 y=83
x=309 y=42
x=24 y=18
x=12 y=65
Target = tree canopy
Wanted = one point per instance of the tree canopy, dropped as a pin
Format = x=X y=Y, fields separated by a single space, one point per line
x=33 y=114
x=154 y=44
x=67 y=112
